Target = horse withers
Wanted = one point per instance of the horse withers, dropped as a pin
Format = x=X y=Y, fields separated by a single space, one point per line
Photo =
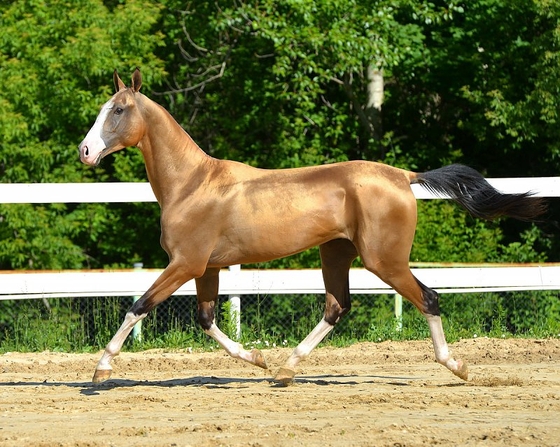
x=217 y=213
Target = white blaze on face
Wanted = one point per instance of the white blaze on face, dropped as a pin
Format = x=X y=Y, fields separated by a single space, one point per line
x=93 y=144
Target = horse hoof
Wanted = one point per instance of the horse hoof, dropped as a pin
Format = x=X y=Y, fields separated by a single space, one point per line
x=285 y=377
x=101 y=375
x=463 y=371
x=258 y=359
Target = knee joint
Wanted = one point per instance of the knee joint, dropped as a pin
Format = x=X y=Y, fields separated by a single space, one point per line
x=141 y=307
x=206 y=317
x=335 y=312
x=431 y=300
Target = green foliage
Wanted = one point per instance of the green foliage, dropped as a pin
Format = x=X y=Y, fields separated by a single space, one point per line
x=312 y=59
x=27 y=242
x=445 y=233
x=228 y=320
x=517 y=104
x=55 y=64
x=268 y=321
x=282 y=84
x=275 y=85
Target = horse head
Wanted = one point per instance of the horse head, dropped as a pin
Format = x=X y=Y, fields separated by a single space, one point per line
x=118 y=125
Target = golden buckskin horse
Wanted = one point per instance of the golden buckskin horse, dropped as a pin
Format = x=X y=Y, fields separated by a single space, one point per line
x=217 y=213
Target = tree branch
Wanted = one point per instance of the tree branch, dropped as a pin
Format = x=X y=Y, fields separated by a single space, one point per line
x=201 y=84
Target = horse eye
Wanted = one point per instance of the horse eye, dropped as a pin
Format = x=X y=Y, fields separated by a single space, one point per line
x=118 y=111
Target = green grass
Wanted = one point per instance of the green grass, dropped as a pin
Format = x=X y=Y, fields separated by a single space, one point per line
x=72 y=326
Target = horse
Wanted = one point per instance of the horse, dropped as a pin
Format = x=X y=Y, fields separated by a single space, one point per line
x=216 y=213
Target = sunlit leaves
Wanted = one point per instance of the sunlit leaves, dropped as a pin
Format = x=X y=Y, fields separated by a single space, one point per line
x=275 y=84
x=56 y=61
x=515 y=83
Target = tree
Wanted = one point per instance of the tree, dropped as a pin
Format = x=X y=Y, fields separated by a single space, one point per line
x=273 y=84
x=294 y=90
x=487 y=96
x=56 y=61
x=488 y=93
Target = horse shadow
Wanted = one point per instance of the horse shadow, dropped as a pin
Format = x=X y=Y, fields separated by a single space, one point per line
x=213 y=382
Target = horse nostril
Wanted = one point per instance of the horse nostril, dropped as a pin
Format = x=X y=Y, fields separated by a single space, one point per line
x=86 y=151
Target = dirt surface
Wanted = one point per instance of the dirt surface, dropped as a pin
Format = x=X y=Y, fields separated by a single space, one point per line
x=386 y=394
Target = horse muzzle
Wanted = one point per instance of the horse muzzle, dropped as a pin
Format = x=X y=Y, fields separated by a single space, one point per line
x=89 y=157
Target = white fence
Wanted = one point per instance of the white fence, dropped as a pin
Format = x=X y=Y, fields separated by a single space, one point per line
x=142 y=192
x=86 y=283
x=236 y=282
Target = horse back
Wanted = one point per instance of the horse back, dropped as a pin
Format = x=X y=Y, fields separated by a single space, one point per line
x=258 y=215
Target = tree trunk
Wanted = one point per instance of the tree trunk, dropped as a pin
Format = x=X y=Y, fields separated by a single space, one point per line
x=374 y=102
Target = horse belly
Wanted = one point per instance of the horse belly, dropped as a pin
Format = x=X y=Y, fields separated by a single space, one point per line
x=278 y=228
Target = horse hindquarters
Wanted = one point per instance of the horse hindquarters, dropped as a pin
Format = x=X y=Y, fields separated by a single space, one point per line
x=384 y=246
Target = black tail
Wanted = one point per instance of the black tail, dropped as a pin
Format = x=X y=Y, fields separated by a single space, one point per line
x=470 y=189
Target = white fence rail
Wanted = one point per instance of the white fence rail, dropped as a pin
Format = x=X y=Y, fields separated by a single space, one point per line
x=142 y=192
x=60 y=284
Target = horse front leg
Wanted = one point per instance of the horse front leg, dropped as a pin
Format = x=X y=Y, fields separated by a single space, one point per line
x=207 y=295
x=168 y=282
x=336 y=259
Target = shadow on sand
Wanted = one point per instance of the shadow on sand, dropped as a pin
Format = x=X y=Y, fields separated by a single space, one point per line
x=212 y=382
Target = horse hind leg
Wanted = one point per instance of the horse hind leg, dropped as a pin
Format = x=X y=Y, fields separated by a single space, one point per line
x=426 y=301
x=104 y=369
x=285 y=375
x=336 y=258
x=207 y=294
x=387 y=256
x=442 y=353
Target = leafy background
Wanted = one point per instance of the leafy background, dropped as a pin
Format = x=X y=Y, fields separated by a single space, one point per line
x=276 y=85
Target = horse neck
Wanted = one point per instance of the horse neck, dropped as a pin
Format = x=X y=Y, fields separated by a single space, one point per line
x=173 y=160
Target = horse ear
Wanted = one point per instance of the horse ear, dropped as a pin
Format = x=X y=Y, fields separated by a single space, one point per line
x=136 y=80
x=119 y=85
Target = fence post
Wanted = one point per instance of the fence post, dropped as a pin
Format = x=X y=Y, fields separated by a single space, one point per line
x=235 y=306
x=398 y=312
x=137 y=329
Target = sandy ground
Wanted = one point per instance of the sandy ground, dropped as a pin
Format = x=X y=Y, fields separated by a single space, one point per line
x=386 y=394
